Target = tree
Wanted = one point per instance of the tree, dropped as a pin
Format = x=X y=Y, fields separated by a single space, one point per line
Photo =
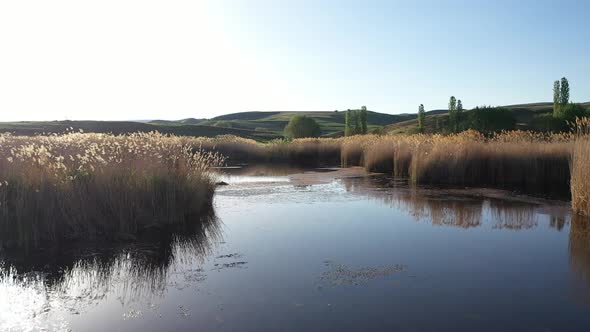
x=564 y=94
x=421 y=118
x=347 y=123
x=453 y=118
x=452 y=103
x=302 y=126
x=356 y=122
x=363 y=119
x=556 y=98
x=491 y=119
x=571 y=111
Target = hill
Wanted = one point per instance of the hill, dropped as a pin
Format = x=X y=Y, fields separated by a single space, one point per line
x=332 y=123
x=531 y=116
x=264 y=126
x=261 y=126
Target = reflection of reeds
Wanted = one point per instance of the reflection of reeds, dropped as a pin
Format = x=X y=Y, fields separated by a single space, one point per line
x=98 y=186
x=80 y=277
x=579 y=246
x=510 y=215
x=441 y=208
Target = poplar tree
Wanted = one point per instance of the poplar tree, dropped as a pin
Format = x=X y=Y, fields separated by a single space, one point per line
x=347 y=124
x=556 y=98
x=564 y=92
x=357 y=123
x=363 y=118
x=421 y=117
x=453 y=113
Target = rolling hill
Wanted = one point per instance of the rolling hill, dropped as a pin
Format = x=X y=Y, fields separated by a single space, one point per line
x=332 y=123
x=265 y=126
x=261 y=126
x=531 y=116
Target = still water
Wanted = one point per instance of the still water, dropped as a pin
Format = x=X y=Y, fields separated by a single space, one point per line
x=345 y=254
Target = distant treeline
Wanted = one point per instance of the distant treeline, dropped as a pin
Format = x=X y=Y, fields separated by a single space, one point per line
x=488 y=119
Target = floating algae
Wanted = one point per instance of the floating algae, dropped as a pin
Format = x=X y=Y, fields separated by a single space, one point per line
x=340 y=274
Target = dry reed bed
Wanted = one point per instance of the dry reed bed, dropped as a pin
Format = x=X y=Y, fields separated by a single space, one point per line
x=514 y=160
x=533 y=162
x=97 y=186
x=89 y=186
x=581 y=168
x=304 y=151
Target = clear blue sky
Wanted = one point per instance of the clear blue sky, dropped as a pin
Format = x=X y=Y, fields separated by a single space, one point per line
x=151 y=59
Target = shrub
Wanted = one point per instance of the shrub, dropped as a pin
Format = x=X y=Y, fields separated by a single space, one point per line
x=571 y=112
x=302 y=126
x=491 y=119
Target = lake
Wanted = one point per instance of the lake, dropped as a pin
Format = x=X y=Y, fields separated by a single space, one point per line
x=322 y=250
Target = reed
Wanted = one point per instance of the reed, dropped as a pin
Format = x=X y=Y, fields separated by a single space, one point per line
x=516 y=160
x=302 y=151
x=580 y=168
x=97 y=186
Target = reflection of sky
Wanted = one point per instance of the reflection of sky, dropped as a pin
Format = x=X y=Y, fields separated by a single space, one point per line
x=502 y=265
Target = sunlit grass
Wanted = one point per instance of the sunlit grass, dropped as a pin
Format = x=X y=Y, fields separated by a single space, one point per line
x=98 y=186
x=581 y=168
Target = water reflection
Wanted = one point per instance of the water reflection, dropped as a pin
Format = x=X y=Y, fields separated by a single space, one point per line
x=454 y=208
x=41 y=288
x=579 y=247
x=264 y=268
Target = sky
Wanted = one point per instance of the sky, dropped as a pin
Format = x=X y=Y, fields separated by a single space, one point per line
x=139 y=60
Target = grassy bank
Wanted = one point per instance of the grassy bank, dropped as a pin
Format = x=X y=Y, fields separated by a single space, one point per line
x=98 y=186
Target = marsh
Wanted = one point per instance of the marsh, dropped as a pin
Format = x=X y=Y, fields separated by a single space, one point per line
x=303 y=249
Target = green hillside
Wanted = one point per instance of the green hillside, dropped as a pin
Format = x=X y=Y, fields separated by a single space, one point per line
x=261 y=126
x=332 y=123
x=264 y=126
x=532 y=116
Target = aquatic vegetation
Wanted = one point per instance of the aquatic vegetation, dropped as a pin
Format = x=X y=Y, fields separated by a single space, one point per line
x=521 y=160
x=98 y=186
x=340 y=274
x=302 y=151
x=580 y=165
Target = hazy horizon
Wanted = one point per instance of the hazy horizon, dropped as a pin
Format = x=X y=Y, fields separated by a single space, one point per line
x=129 y=60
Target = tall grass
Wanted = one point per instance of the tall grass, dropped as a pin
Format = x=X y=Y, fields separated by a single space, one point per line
x=303 y=151
x=532 y=162
x=98 y=186
x=580 y=164
x=513 y=160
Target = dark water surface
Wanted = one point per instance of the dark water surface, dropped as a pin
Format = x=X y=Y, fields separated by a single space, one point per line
x=349 y=255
